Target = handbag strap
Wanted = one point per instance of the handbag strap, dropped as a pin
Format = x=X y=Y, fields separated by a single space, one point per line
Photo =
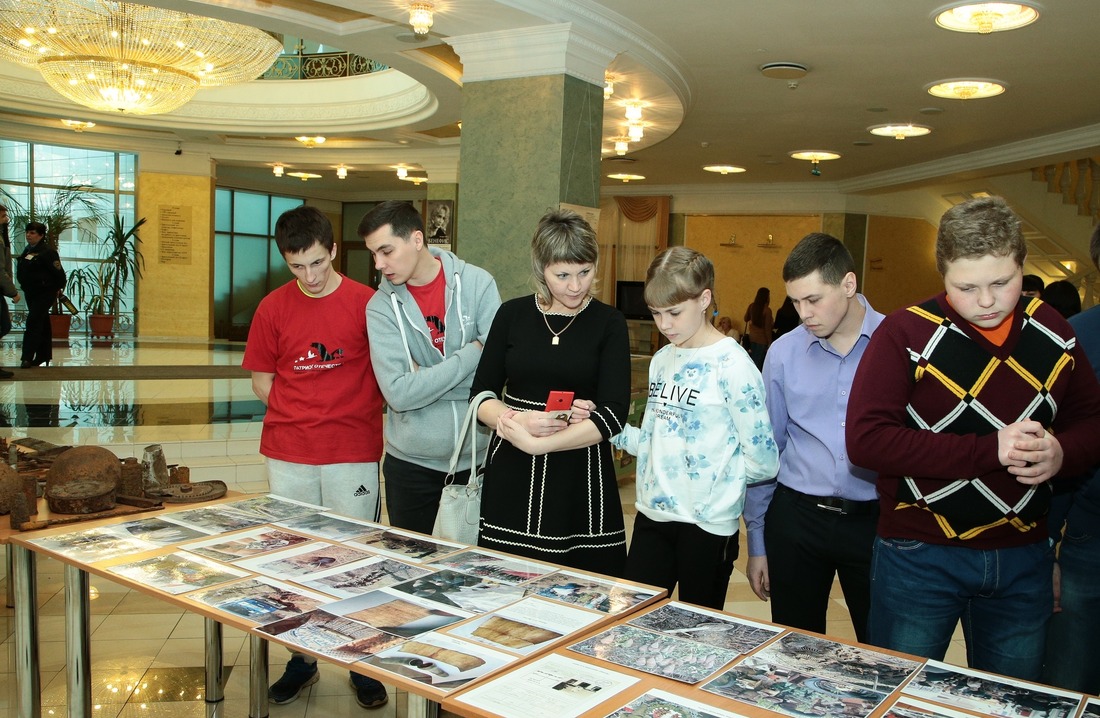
x=469 y=424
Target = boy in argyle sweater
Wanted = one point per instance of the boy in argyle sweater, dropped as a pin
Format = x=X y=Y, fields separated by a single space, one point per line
x=967 y=405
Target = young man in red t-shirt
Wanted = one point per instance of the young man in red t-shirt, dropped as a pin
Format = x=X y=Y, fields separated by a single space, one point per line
x=310 y=362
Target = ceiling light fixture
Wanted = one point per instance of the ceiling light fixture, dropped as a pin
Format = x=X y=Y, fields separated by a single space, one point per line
x=724 y=169
x=966 y=88
x=899 y=131
x=609 y=80
x=278 y=170
x=309 y=141
x=815 y=157
x=625 y=177
x=421 y=17
x=985 y=17
x=342 y=172
x=78 y=125
x=635 y=131
x=633 y=110
x=622 y=145
x=122 y=57
x=415 y=179
x=402 y=172
x=304 y=176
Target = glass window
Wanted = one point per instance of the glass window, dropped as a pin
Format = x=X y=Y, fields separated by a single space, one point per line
x=250 y=213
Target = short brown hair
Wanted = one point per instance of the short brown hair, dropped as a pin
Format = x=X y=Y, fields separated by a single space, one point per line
x=562 y=236
x=984 y=226
x=677 y=275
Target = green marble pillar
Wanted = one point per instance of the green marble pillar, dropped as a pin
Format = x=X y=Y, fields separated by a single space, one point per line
x=851 y=229
x=528 y=144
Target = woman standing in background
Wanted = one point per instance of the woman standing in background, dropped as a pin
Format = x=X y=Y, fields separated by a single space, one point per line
x=758 y=325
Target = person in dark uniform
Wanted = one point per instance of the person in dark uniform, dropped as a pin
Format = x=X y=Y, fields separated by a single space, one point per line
x=42 y=278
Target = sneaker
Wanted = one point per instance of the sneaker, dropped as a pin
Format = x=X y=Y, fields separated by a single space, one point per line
x=369 y=693
x=298 y=676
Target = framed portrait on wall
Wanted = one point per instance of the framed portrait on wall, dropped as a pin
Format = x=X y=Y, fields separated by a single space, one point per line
x=439 y=222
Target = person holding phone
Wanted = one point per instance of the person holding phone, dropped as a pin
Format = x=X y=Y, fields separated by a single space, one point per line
x=550 y=491
x=704 y=438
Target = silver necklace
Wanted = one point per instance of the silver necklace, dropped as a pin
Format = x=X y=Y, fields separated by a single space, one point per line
x=554 y=341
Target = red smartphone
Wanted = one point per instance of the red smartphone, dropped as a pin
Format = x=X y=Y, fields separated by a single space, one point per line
x=560 y=404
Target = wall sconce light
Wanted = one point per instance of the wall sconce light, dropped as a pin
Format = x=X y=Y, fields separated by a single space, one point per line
x=421 y=17
x=415 y=179
x=342 y=172
x=277 y=170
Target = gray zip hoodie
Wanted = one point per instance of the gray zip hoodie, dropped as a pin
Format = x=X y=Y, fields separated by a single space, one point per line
x=427 y=393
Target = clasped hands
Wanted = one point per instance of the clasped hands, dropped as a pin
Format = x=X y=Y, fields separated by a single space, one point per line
x=525 y=429
x=1031 y=453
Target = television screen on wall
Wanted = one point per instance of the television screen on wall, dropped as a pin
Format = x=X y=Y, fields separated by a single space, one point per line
x=630 y=300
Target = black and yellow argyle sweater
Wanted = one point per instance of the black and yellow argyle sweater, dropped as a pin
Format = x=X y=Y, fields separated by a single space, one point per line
x=928 y=399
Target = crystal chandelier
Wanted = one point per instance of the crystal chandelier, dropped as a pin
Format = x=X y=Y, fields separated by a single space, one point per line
x=120 y=57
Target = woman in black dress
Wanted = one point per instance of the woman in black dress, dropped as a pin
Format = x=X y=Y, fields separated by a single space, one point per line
x=550 y=490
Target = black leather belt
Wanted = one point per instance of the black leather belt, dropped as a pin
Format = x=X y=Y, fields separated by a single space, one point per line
x=844 y=507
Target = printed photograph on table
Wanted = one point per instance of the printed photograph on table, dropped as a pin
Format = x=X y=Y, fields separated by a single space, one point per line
x=460 y=590
x=589 y=592
x=261 y=600
x=271 y=508
x=440 y=661
x=656 y=653
x=177 y=572
x=364 y=576
x=709 y=627
x=396 y=613
x=912 y=708
x=841 y=662
x=553 y=686
x=1092 y=709
x=782 y=689
x=990 y=695
x=246 y=544
x=92 y=545
x=408 y=546
x=659 y=704
x=157 y=531
x=214 y=519
x=501 y=568
x=303 y=560
x=525 y=626
x=331 y=527
x=337 y=637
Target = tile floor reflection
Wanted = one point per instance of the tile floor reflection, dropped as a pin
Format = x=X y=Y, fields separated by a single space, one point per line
x=147 y=656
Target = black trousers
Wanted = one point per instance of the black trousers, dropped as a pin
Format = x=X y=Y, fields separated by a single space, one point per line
x=807 y=546
x=412 y=493
x=38 y=337
x=667 y=553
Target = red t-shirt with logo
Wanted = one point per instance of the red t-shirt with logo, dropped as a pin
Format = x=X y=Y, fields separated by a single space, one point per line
x=325 y=406
x=431 y=298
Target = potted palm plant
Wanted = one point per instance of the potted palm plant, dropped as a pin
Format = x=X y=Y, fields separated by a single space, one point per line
x=105 y=282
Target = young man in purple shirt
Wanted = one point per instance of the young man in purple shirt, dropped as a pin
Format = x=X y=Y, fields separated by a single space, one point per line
x=818 y=518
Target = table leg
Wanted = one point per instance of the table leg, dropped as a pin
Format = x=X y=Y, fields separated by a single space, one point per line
x=77 y=649
x=9 y=592
x=257 y=677
x=214 y=661
x=24 y=579
x=421 y=707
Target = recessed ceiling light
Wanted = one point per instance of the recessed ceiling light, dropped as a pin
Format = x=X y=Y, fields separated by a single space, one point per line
x=862 y=143
x=931 y=110
x=877 y=109
x=784 y=70
x=724 y=169
x=814 y=155
x=626 y=177
x=985 y=17
x=964 y=88
x=899 y=131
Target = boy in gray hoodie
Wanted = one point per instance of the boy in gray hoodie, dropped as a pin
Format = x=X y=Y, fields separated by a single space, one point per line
x=426 y=325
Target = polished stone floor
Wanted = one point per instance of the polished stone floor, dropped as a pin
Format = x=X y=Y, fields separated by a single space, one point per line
x=146 y=654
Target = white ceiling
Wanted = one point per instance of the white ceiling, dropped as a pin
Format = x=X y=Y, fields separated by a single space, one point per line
x=694 y=61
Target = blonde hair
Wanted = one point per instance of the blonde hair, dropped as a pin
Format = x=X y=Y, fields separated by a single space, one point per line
x=677 y=275
x=561 y=236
